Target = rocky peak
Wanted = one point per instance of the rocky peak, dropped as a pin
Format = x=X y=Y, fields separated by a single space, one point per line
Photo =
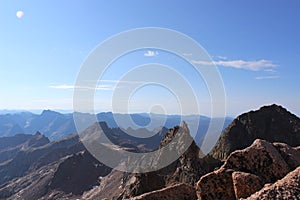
x=38 y=133
x=169 y=136
x=38 y=140
x=49 y=113
x=186 y=169
x=272 y=123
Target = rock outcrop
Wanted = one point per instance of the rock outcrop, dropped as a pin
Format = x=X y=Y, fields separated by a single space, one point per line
x=261 y=159
x=245 y=184
x=286 y=188
x=216 y=185
x=289 y=154
x=246 y=171
x=186 y=169
x=271 y=123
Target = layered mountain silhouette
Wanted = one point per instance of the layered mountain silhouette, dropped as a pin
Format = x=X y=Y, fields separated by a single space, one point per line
x=256 y=157
x=55 y=125
x=52 y=124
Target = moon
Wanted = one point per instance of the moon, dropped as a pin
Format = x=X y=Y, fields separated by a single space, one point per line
x=20 y=14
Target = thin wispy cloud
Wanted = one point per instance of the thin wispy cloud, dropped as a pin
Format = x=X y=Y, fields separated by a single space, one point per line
x=266 y=77
x=122 y=81
x=150 y=53
x=110 y=85
x=258 y=65
x=221 y=57
x=62 y=86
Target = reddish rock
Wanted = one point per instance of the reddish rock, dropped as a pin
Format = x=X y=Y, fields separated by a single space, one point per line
x=289 y=154
x=175 y=192
x=246 y=171
x=245 y=184
x=286 y=188
x=216 y=185
x=261 y=159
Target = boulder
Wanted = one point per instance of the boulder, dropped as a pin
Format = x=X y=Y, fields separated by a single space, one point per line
x=245 y=184
x=216 y=185
x=286 y=188
x=261 y=159
x=289 y=154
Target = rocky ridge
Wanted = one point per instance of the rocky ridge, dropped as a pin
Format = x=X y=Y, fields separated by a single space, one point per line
x=272 y=123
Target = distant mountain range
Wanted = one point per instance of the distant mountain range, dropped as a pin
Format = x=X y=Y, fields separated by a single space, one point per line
x=55 y=125
x=256 y=157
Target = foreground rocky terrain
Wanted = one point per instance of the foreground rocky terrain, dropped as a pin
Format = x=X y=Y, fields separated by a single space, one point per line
x=247 y=171
x=256 y=157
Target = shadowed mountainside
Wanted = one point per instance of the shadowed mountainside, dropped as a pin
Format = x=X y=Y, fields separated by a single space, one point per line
x=272 y=123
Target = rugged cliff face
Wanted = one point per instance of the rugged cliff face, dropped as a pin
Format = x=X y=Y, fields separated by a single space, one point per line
x=10 y=146
x=272 y=123
x=186 y=169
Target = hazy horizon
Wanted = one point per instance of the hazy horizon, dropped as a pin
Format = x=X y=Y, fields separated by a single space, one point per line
x=62 y=111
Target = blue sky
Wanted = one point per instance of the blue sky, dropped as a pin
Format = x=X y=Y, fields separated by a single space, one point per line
x=254 y=43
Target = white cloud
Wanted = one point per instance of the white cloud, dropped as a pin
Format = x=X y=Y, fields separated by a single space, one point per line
x=221 y=57
x=241 y=64
x=151 y=53
x=266 y=77
x=62 y=86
